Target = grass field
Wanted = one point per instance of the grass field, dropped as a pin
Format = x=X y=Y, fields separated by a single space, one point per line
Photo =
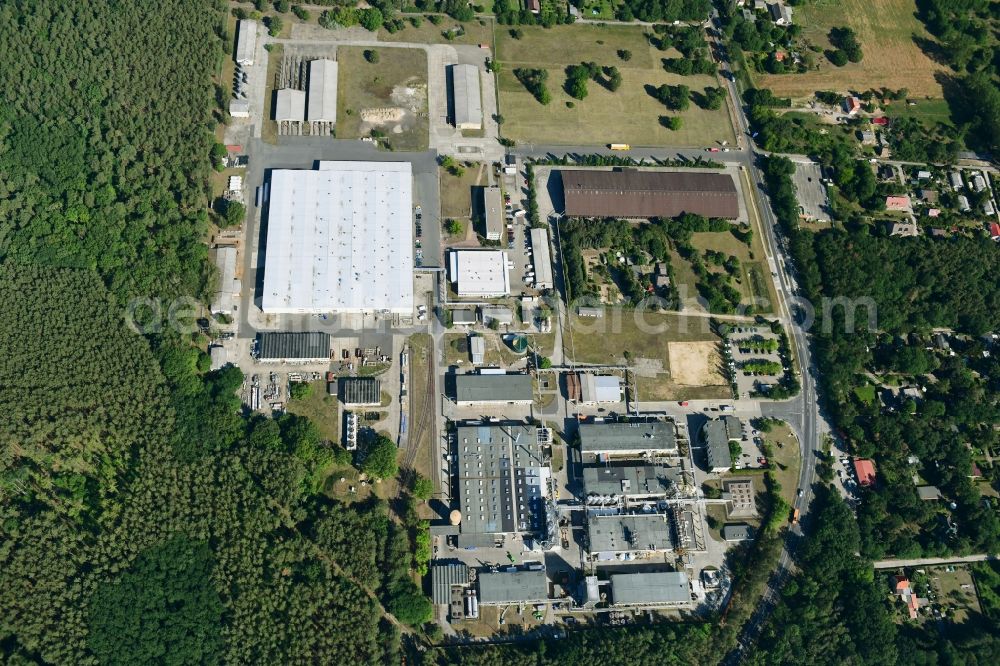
x=321 y=409
x=475 y=32
x=886 y=30
x=398 y=79
x=930 y=111
x=456 y=191
x=629 y=115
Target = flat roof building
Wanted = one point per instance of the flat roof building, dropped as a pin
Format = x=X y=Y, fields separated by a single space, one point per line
x=632 y=438
x=495 y=389
x=739 y=532
x=290 y=105
x=498 y=313
x=513 y=587
x=224 y=301
x=246 y=41
x=464 y=317
x=340 y=239
x=301 y=347
x=645 y=194
x=477 y=349
x=634 y=481
x=609 y=536
x=466 y=97
x=322 y=91
x=541 y=259
x=596 y=389
x=218 y=357
x=739 y=495
x=360 y=391
x=651 y=589
x=239 y=108
x=493 y=213
x=716 y=435
x=480 y=273
x=501 y=482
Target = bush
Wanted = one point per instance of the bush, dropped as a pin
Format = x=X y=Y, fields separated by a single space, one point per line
x=838 y=57
x=299 y=390
x=281 y=6
x=371 y=55
x=274 y=25
x=301 y=13
x=380 y=458
x=421 y=487
x=625 y=54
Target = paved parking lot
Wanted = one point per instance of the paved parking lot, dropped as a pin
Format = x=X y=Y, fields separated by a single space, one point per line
x=811 y=192
x=738 y=343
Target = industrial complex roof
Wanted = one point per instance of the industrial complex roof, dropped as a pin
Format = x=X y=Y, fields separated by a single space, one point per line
x=340 y=239
x=290 y=104
x=621 y=534
x=630 y=479
x=634 y=193
x=246 y=41
x=502 y=587
x=467 y=97
x=500 y=479
x=443 y=577
x=293 y=346
x=360 y=391
x=666 y=588
x=493 y=388
x=541 y=259
x=480 y=273
x=631 y=437
x=323 y=91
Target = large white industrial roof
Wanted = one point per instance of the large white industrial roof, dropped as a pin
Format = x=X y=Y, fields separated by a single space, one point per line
x=340 y=239
x=323 y=91
x=480 y=273
x=246 y=42
x=468 y=100
x=290 y=105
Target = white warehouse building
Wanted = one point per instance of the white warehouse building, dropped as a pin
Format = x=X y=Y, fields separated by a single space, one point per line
x=246 y=42
x=467 y=97
x=480 y=273
x=290 y=105
x=322 y=91
x=540 y=258
x=340 y=239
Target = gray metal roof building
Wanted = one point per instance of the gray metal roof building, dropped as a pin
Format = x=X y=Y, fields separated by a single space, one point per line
x=631 y=479
x=323 y=91
x=464 y=317
x=507 y=587
x=628 y=438
x=716 y=437
x=290 y=104
x=479 y=389
x=477 y=349
x=651 y=589
x=600 y=388
x=739 y=532
x=493 y=213
x=500 y=481
x=645 y=194
x=610 y=535
x=541 y=260
x=246 y=41
x=229 y=287
x=467 y=97
x=360 y=391
x=444 y=577
x=294 y=346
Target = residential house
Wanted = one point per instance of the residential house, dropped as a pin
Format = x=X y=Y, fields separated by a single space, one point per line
x=963 y=203
x=898 y=203
x=852 y=105
x=865 y=470
x=955 y=178
x=781 y=14
x=906 y=229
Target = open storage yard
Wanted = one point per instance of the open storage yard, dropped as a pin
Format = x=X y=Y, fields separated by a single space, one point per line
x=887 y=31
x=389 y=96
x=629 y=115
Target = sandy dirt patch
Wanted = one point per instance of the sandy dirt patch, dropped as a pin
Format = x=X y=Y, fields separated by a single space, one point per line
x=695 y=363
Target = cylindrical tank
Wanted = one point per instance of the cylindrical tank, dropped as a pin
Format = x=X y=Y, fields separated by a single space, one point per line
x=455 y=517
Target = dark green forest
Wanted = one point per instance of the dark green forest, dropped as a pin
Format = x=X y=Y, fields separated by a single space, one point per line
x=143 y=519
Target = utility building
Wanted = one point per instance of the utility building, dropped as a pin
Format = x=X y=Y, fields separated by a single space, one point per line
x=716 y=435
x=596 y=389
x=541 y=260
x=618 y=535
x=322 y=91
x=246 y=42
x=224 y=301
x=295 y=347
x=513 y=587
x=651 y=589
x=502 y=480
x=466 y=97
x=340 y=239
x=360 y=391
x=493 y=389
x=644 y=194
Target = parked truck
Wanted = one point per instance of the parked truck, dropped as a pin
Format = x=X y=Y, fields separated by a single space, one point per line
x=619 y=146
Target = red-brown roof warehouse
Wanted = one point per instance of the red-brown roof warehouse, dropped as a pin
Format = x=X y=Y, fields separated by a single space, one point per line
x=649 y=194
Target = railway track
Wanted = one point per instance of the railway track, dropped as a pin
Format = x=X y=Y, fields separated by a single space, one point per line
x=420 y=422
